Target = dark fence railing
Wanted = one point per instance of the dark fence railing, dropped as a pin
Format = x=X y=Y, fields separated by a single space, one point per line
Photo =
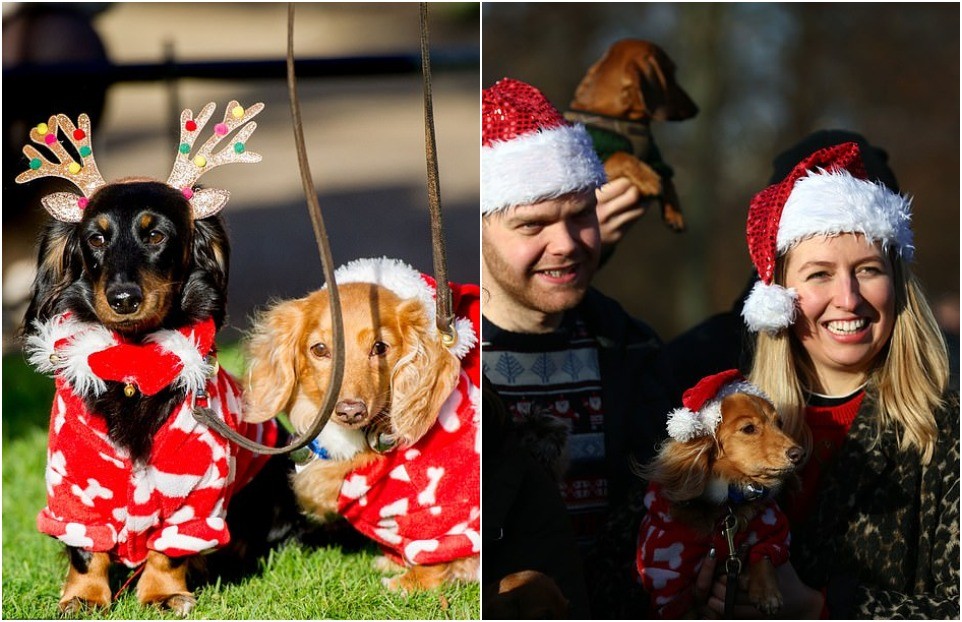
x=23 y=75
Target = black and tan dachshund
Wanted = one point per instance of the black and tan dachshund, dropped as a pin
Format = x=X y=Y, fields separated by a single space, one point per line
x=130 y=291
x=137 y=262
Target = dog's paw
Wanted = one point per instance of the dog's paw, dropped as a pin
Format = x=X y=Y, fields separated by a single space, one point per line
x=766 y=600
x=394 y=584
x=384 y=565
x=180 y=604
x=69 y=607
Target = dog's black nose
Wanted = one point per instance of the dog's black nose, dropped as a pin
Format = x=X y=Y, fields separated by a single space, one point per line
x=350 y=411
x=124 y=299
x=795 y=454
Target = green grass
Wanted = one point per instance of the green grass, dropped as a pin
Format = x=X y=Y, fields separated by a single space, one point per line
x=295 y=582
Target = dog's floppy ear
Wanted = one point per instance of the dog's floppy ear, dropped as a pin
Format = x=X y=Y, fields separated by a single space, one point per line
x=59 y=264
x=682 y=469
x=205 y=288
x=271 y=351
x=663 y=98
x=423 y=378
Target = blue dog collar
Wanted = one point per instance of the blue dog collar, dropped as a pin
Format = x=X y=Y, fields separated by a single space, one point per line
x=738 y=494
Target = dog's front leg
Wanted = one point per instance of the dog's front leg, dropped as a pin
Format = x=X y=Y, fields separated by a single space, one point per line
x=164 y=583
x=763 y=590
x=87 y=581
x=318 y=486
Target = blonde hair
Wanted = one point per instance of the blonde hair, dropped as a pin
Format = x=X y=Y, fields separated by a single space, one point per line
x=910 y=375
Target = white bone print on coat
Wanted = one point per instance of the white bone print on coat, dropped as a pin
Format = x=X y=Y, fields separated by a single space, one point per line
x=427 y=496
x=92 y=492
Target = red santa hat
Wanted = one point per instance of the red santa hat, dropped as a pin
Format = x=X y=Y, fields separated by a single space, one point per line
x=701 y=412
x=529 y=152
x=408 y=283
x=827 y=193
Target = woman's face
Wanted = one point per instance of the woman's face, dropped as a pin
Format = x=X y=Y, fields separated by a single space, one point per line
x=846 y=296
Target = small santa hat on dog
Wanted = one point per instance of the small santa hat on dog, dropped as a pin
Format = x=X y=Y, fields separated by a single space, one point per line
x=529 y=152
x=827 y=193
x=407 y=283
x=701 y=412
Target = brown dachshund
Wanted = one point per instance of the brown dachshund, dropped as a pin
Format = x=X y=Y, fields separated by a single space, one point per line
x=619 y=96
x=720 y=476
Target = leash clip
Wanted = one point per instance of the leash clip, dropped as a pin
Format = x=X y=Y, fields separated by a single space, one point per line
x=733 y=564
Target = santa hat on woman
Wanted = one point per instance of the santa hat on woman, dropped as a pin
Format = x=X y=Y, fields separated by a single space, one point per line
x=529 y=152
x=827 y=193
x=701 y=411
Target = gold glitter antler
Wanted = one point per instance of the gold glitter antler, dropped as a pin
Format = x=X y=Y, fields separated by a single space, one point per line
x=188 y=169
x=64 y=206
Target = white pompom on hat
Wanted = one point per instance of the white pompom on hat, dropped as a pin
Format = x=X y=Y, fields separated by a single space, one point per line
x=701 y=412
x=827 y=193
x=529 y=152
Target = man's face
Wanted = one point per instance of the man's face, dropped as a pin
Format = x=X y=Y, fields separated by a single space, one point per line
x=539 y=259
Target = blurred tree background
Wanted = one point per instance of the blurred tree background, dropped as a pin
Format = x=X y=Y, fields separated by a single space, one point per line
x=763 y=75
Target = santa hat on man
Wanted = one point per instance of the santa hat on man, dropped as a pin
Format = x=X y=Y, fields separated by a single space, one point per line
x=827 y=193
x=701 y=412
x=529 y=152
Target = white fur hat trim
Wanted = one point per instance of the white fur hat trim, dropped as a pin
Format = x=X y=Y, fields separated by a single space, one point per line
x=832 y=203
x=407 y=283
x=685 y=424
x=538 y=166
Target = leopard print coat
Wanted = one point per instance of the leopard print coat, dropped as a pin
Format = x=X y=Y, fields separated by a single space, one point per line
x=883 y=540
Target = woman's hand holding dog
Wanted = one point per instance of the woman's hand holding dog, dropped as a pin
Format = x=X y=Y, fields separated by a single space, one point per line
x=800 y=602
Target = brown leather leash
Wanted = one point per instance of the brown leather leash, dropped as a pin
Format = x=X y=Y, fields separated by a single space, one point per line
x=204 y=414
x=445 y=319
x=444 y=316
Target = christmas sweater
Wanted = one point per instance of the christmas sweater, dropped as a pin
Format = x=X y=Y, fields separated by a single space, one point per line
x=670 y=553
x=98 y=499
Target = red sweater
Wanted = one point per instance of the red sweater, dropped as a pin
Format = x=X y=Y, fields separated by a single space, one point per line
x=830 y=420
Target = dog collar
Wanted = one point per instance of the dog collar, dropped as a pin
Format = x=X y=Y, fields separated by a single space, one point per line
x=746 y=494
x=307 y=454
x=88 y=355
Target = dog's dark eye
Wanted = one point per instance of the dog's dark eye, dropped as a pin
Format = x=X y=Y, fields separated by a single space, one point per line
x=97 y=240
x=156 y=237
x=379 y=348
x=320 y=350
x=749 y=429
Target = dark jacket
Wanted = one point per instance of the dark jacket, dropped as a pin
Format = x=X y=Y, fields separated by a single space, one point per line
x=883 y=539
x=525 y=524
x=636 y=403
x=635 y=406
x=634 y=393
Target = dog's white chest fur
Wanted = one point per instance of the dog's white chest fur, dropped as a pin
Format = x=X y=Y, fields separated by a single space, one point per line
x=341 y=443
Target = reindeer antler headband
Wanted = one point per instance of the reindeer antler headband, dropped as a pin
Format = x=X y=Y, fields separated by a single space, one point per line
x=68 y=207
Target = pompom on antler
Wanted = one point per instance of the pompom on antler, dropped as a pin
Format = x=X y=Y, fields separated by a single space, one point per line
x=188 y=169
x=69 y=207
x=64 y=206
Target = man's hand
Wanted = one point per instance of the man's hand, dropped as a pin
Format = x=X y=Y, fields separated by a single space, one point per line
x=619 y=206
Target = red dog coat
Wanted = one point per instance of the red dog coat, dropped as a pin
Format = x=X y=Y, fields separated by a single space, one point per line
x=670 y=553
x=100 y=500
x=422 y=504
